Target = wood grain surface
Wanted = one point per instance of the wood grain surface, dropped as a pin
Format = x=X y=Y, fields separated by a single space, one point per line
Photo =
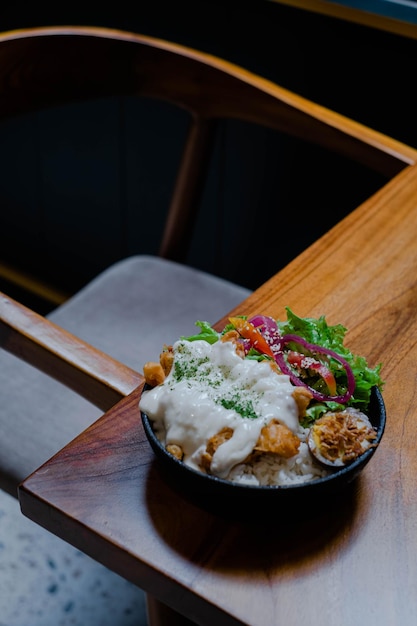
x=353 y=562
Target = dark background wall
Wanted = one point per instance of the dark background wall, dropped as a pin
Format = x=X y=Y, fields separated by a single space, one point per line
x=65 y=214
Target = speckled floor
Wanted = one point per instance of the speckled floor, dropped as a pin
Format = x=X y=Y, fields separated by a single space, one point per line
x=46 y=582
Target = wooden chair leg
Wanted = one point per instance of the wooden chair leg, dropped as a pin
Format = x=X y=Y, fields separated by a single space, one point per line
x=161 y=615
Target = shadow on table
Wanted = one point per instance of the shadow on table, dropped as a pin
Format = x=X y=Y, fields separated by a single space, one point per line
x=220 y=536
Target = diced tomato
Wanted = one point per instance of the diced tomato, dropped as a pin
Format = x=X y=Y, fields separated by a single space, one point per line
x=305 y=362
x=250 y=332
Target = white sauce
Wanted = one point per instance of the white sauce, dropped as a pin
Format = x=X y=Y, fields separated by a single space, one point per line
x=201 y=394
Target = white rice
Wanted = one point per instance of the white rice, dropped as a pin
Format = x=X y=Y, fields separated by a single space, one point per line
x=269 y=469
x=272 y=470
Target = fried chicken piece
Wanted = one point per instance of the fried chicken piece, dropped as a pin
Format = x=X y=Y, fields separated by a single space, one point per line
x=302 y=397
x=175 y=450
x=234 y=337
x=277 y=438
x=154 y=373
x=212 y=444
x=274 y=438
x=166 y=359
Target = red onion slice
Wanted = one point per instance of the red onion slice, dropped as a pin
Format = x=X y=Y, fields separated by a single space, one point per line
x=269 y=329
x=286 y=369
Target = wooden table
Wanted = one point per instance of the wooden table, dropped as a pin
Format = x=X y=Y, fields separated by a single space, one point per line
x=353 y=564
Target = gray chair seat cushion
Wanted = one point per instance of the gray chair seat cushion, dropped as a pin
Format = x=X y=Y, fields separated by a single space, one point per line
x=129 y=311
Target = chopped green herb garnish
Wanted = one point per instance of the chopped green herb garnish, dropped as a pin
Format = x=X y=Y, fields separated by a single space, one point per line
x=188 y=369
x=244 y=408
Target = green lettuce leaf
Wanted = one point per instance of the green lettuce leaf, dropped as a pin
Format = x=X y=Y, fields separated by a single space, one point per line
x=207 y=333
x=319 y=332
x=316 y=331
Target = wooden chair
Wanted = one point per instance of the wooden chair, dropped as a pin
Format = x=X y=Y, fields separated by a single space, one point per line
x=59 y=373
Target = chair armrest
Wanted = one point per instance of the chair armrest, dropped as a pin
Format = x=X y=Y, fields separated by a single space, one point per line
x=89 y=372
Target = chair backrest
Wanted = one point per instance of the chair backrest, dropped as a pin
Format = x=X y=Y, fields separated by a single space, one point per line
x=46 y=67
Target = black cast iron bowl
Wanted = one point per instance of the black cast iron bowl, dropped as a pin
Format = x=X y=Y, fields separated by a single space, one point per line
x=219 y=495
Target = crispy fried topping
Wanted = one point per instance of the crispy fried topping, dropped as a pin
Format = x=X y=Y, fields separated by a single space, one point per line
x=175 y=450
x=342 y=436
x=153 y=373
x=166 y=359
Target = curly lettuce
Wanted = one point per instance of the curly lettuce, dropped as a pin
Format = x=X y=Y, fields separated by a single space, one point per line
x=317 y=331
